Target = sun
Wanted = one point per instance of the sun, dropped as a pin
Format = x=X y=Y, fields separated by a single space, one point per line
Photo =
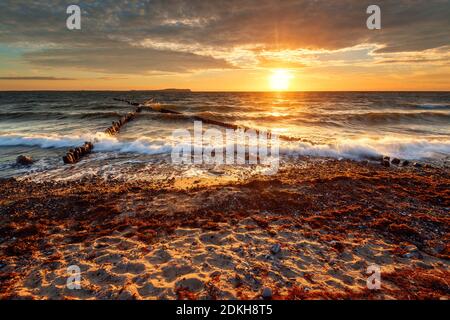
x=279 y=80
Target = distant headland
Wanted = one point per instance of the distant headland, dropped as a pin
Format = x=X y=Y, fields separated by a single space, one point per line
x=171 y=90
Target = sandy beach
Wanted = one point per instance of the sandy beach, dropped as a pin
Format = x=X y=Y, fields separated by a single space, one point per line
x=308 y=232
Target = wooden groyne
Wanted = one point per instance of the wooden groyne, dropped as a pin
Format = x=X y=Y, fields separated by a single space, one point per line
x=75 y=155
x=117 y=125
x=385 y=161
x=216 y=122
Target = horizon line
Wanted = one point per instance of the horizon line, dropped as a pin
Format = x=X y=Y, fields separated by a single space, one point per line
x=218 y=91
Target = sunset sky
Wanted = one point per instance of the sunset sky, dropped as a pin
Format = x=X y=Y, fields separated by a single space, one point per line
x=225 y=45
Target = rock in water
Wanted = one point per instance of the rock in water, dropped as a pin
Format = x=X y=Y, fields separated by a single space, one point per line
x=405 y=163
x=395 y=161
x=386 y=163
x=24 y=160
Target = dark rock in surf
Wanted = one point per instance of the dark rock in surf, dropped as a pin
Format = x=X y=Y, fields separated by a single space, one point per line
x=24 y=160
x=386 y=163
x=395 y=161
x=405 y=163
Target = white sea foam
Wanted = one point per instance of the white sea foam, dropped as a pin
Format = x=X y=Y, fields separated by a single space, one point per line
x=369 y=147
x=103 y=143
x=433 y=106
x=42 y=141
x=406 y=148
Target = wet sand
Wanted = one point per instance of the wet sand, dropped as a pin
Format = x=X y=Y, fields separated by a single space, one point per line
x=308 y=232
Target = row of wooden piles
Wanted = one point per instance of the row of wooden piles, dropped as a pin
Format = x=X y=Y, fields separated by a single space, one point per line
x=76 y=154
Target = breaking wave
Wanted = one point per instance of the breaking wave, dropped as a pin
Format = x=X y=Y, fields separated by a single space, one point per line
x=370 y=148
x=45 y=115
x=346 y=148
x=432 y=106
x=376 y=118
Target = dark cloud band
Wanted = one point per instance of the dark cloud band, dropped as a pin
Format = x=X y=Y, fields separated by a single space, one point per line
x=112 y=31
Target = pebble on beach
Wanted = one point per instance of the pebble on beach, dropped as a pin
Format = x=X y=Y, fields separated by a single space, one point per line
x=276 y=248
x=24 y=160
x=266 y=293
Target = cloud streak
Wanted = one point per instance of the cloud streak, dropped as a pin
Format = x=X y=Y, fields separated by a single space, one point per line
x=36 y=78
x=183 y=36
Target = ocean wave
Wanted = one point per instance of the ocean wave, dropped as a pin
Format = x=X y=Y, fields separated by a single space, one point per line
x=102 y=142
x=375 y=118
x=405 y=148
x=140 y=146
x=411 y=149
x=329 y=119
x=431 y=106
x=46 y=115
x=42 y=141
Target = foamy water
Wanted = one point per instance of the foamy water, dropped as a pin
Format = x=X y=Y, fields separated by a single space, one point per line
x=414 y=126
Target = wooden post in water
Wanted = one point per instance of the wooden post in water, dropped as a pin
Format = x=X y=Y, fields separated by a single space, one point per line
x=75 y=155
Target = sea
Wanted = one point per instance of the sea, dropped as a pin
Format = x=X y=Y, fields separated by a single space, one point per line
x=323 y=125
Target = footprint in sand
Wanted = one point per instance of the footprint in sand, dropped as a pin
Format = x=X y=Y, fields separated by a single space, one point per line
x=34 y=279
x=129 y=267
x=287 y=272
x=215 y=238
x=221 y=261
x=149 y=290
x=200 y=258
x=108 y=240
x=159 y=256
x=340 y=275
x=192 y=284
x=174 y=271
x=102 y=276
x=112 y=258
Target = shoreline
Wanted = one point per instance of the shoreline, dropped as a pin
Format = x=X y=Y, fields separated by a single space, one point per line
x=308 y=232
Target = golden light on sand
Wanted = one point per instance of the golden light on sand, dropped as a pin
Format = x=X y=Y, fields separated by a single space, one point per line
x=279 y=80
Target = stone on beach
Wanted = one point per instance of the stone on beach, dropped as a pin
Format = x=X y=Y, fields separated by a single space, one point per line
x=276 y=248
x=24 y=160
x=266 y=293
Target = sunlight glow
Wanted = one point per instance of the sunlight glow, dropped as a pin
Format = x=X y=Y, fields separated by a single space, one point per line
x=279 y=80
